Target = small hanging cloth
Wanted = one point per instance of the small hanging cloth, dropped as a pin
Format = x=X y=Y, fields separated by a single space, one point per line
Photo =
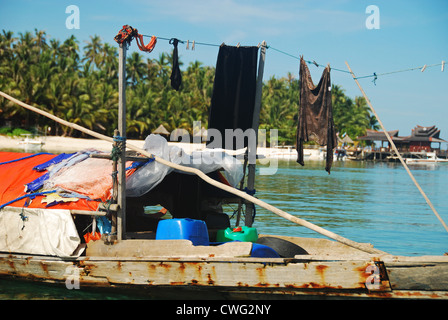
x=316 y=114
x=148 y=47
x=176 y=76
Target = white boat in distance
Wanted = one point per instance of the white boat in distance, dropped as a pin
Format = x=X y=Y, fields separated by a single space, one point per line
x=30 y=143
x=426 y=158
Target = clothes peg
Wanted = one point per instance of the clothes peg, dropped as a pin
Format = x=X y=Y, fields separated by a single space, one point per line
x=188 y=45
x=423 y=69
x=443 y=65
x=192 y=47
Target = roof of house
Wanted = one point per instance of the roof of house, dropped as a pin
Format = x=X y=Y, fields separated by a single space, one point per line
x=419 y=133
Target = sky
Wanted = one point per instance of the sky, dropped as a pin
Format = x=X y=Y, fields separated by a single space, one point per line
x=398 y=35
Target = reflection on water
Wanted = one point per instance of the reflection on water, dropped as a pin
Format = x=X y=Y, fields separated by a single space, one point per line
x=364 y=201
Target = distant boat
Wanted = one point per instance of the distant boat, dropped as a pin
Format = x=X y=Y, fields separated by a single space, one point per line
x=284 y=152
x=425 y=158
x=31 y=143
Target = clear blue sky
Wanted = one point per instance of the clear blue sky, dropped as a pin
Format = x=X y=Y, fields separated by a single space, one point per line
x=412 y=34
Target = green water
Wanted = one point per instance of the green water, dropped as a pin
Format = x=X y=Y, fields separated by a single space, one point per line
x=363 y=201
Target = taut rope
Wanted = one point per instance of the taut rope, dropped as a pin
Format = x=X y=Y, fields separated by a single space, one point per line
x=360 y=246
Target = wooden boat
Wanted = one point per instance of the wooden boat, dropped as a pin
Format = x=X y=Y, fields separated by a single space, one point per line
x=160 y=268
x=176 y=268
x=304 y=268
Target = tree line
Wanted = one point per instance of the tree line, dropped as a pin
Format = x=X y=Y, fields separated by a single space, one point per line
x=81 y=86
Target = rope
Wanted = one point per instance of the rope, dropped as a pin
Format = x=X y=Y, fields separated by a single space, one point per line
x=118 y=148
x=397 y=152
x=203 y=176
x=309 y=62
x=31 y=196
x=376 y=75
x=183 y=41
x=24 y=158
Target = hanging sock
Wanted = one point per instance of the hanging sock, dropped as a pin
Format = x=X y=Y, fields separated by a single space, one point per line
x=176 y=76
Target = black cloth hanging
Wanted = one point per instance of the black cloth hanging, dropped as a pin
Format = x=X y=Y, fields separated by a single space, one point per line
x=316 y=114
x=233 y=98
x=176 y=76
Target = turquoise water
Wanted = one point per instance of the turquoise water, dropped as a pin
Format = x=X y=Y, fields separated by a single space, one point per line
x=368 y=202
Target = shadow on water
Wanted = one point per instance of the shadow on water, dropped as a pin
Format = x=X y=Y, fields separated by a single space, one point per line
x=15 y=289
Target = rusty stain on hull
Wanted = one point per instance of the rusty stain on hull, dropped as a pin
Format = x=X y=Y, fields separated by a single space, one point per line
x=336 y=279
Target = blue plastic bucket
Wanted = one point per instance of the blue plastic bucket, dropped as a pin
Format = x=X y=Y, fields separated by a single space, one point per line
x=262 y=251
x=187 y=229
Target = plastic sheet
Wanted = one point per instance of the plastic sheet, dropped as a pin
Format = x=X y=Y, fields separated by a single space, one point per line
x=150 y=175
x=91 y=177
x=61 y=163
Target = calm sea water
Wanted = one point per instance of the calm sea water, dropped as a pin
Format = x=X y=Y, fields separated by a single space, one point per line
x=363 y=201
x=368 y=202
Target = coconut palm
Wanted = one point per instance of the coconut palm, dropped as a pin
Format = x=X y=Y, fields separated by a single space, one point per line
x=84 y=89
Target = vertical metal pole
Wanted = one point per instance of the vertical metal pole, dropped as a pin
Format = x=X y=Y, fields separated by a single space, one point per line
x=121 y=214
x=252 y=154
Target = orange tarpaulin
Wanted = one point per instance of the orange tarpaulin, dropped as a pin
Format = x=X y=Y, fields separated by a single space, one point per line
x=15 y=175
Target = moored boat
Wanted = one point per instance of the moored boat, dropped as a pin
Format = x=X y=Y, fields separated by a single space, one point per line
x=43 y=230
x=48 y=247
x=425 y=158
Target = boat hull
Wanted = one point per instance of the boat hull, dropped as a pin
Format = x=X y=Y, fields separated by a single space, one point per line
x=238 y=278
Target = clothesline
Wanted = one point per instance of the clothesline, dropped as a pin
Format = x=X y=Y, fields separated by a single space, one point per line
x=373 y=75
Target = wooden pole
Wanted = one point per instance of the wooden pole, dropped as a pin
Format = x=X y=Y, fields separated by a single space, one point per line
x=360 y=246
x=121 y=214
x=252 y=154
x=396 y=150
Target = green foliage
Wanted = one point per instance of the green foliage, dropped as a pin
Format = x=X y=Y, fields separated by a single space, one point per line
x=82 y=87
x=13 y=132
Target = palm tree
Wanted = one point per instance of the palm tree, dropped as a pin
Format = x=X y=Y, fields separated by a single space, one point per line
x=92 y=51
x=135 y=68
x=84 y=89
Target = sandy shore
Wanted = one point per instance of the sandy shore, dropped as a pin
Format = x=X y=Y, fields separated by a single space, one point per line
x=65 y=144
